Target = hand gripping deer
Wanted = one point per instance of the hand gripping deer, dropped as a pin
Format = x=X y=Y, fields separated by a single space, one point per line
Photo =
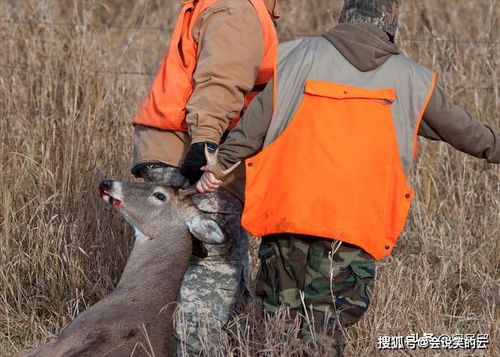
x=135 y=319
x=213 y=167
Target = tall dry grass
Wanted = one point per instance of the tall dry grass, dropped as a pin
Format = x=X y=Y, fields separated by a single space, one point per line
x=65 y=114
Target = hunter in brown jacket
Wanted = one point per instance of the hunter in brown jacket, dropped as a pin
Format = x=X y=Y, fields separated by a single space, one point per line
x=229 y=59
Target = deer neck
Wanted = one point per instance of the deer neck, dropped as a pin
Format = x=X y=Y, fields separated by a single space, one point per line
x=157 y=265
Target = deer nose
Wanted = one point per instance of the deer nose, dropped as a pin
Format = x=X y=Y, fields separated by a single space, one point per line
x=105 y=185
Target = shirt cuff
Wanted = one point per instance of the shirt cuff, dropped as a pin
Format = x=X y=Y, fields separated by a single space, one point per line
x=205 y=134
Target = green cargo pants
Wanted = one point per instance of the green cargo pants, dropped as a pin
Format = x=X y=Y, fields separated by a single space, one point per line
x=335 y=282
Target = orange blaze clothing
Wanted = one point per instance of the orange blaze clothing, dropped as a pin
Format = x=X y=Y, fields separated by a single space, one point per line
x=165 y=105
x=361 y=198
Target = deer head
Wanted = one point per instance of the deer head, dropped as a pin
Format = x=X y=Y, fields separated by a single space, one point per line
x=151 y=208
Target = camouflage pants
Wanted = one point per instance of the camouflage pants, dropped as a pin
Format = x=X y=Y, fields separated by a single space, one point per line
x=327 y=285
x=214 y=286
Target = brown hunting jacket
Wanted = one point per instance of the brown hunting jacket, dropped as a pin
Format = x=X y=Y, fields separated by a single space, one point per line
x=229 y=57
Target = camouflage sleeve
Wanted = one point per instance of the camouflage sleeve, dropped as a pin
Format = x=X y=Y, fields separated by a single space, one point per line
x=450 y=123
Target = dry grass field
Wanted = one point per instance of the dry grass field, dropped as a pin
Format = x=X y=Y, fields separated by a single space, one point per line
x=72 y=73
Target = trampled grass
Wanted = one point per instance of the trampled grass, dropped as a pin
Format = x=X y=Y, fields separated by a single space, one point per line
x=72 y=74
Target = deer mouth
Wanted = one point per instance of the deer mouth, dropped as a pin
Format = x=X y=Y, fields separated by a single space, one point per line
x=107 y=197
x=110 y=199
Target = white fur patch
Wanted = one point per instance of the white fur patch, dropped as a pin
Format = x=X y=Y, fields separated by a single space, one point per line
x=139 y=236
x=206 y=230
x=106 y=198
x=117 y=191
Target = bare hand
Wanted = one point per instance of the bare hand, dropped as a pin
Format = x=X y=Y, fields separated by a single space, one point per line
x=208 y=183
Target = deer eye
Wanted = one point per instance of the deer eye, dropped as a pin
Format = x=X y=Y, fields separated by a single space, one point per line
x=160 y=196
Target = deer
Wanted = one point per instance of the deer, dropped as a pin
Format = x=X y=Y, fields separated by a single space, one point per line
x=136 y=318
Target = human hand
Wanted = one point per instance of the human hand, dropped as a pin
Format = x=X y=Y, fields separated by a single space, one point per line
x=208 y=183
x=195 y=160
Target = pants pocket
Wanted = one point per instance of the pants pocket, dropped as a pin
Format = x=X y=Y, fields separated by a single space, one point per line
x=356 y=293
x=267 y=288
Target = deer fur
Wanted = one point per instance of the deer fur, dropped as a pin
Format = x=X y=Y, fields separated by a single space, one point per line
x=135 y=319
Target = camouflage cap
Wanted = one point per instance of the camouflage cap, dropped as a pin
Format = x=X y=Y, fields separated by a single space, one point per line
x=382 y=13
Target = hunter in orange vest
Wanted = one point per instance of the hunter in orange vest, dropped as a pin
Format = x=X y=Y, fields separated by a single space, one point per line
x=222 y=53
x=328 y=189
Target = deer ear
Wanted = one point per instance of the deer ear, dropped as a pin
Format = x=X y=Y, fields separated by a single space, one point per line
x=206 y=229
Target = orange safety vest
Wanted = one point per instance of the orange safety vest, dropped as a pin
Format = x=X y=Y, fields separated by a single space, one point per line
x=165 y=105
x=334 y=172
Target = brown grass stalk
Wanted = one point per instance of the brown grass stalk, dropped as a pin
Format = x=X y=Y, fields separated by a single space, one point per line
x=68 y=94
